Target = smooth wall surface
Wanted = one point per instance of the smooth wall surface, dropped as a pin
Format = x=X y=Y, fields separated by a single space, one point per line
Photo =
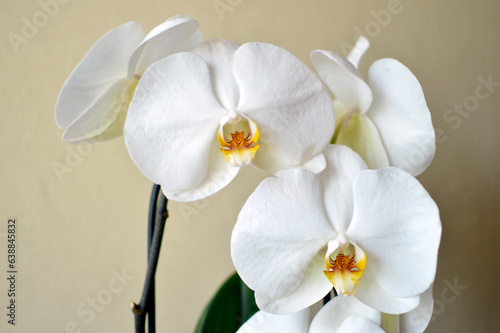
x=81 y=232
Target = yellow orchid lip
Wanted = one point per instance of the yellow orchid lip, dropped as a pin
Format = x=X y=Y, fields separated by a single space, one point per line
x=345 y=271
x=237 y=148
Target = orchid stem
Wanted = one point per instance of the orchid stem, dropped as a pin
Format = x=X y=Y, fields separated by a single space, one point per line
x=158 y=215
x=327 y=298
x=151 y=307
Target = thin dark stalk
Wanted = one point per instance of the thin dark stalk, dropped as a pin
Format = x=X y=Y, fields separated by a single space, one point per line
x=140 y=310
x=152 y=213
x=151 y=307
x=327 y=298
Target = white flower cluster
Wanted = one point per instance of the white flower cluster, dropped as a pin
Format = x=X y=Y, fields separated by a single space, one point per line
x=341 y=211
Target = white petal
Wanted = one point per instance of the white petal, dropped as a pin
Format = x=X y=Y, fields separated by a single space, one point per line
x=219 y=54
x=219 y=174
x=417 y=320
x=401 y=115
x=397 y=224
x=266 y=158
x=315 y=164
x=172 y=122
x=371 y=293
x=280 y=229
x=102 y=66
x=263 y=322
x=285 y=99
x=191 y=42
x=104 y=120
x=313 y=287
x=267 y=161
x=162 y=41
x=359 y=133
x=343 y=80
x=334 y=313
x=359 y=325
x=358 y=51
x=342 y=167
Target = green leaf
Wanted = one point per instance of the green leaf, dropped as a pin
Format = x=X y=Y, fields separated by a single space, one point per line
x=231 y=306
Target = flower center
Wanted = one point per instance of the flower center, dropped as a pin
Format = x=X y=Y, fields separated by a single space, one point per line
x=238 y=136
x=344 y=118
x=346 y=268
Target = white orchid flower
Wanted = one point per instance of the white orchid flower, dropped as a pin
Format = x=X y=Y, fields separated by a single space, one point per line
x=341 y=314
x=93 y=103
x=224 y=106
x=386 y=121
x=373 y=234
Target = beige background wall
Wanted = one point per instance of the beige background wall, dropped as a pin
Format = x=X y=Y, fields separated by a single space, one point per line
x=79 y=229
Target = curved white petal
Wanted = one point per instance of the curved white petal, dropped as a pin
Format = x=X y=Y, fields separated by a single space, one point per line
x=371 y=293
x=263 y=322
x=340 y=113
x=284 y=98
x=172 y=122
x=313 y=287
x=359 y=325
x=280 y=229
x=219 y=54
x=417 y=320
x=105 y=118
x=359 y=133
x=267 y=161
x=401 y=115
x=315 y=164
x=266 y=158
x=358 y=51
x=104 y=64
x=397 y=224
x=162 y=41
x=334 y=313
x=219 y=175
x=187 y=45
x=342 y=167
x=343 y=80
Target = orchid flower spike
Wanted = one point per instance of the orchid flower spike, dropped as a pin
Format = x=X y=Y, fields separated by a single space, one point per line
x=386 y=121
x=93 y=103
x=373 y=234
x=197 y=117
